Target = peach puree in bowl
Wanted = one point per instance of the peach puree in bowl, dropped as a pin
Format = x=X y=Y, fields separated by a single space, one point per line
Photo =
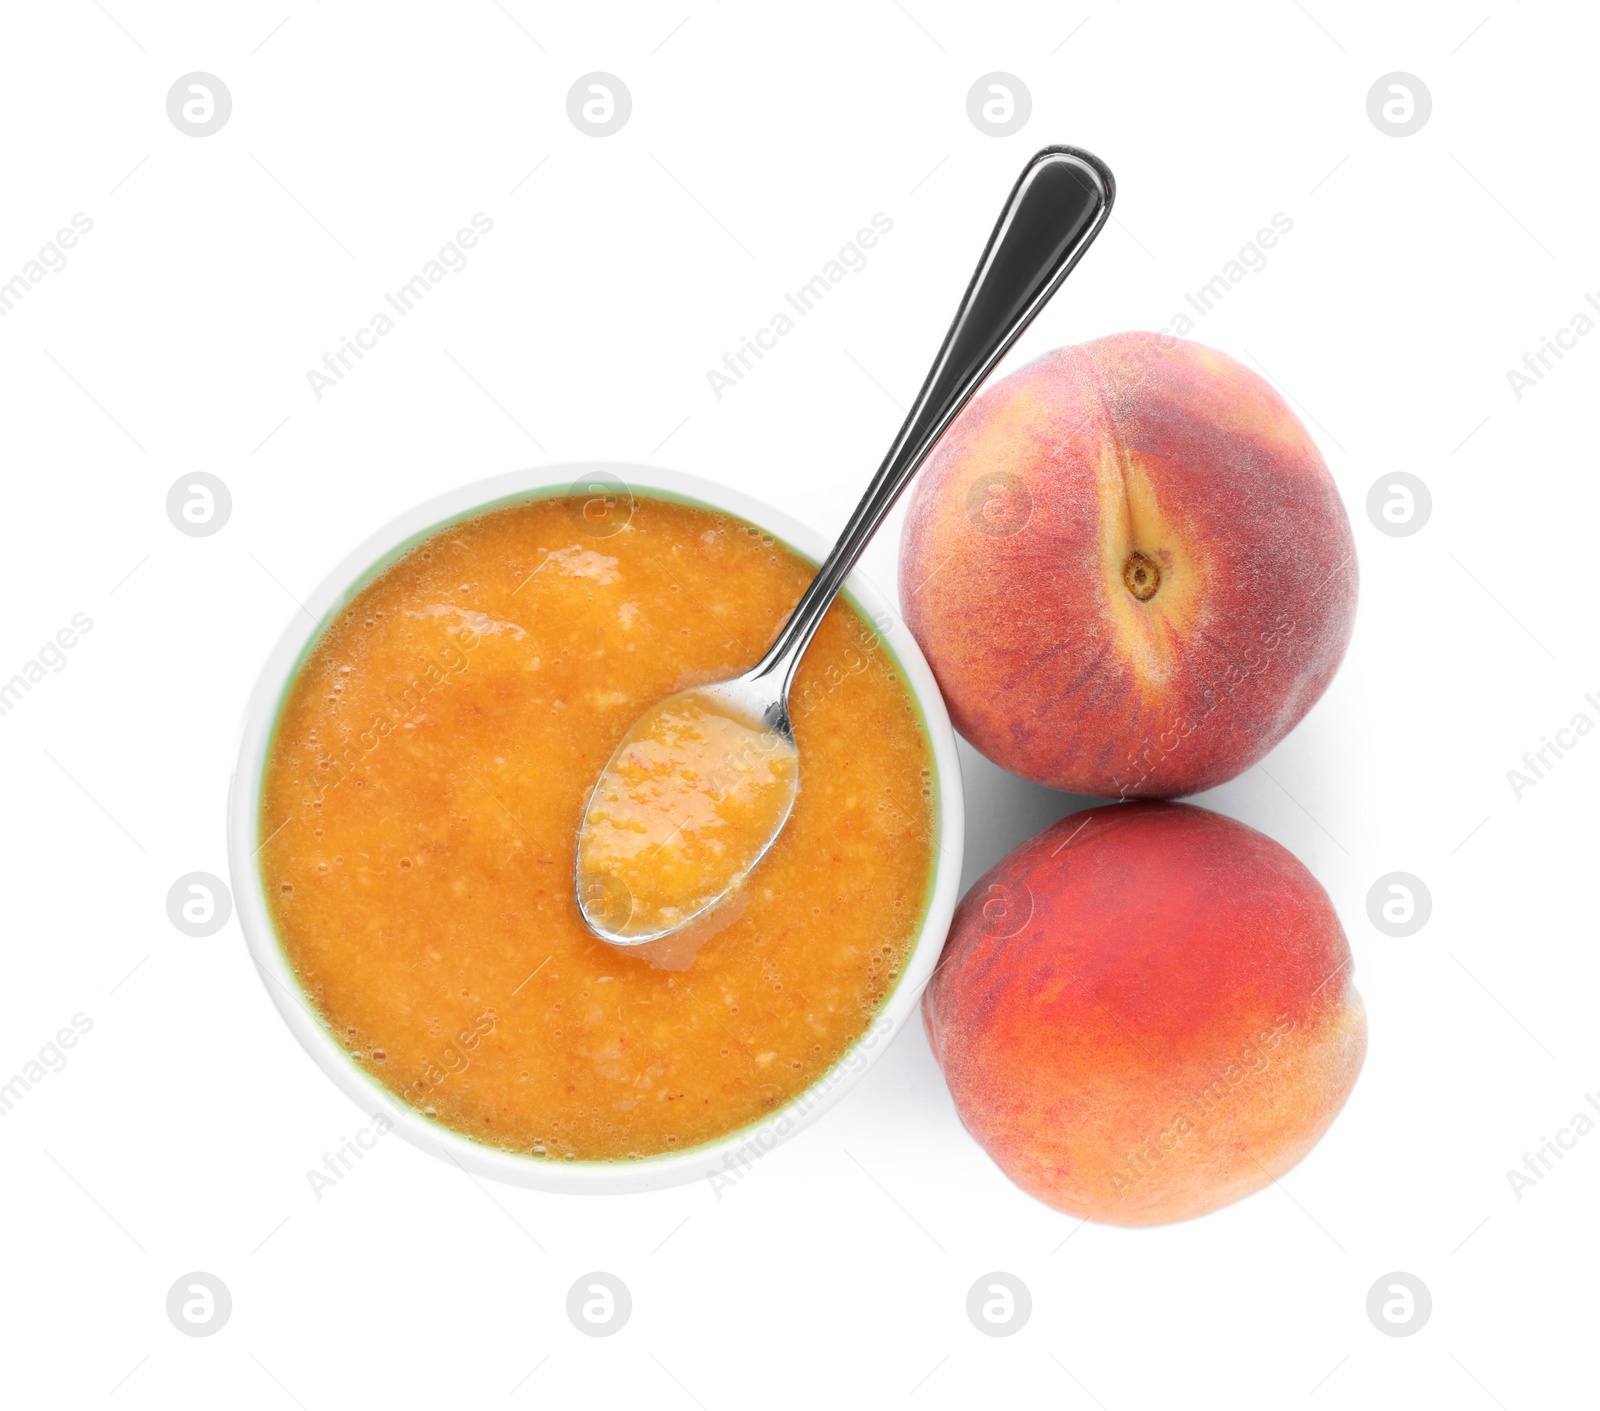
x=421 y=785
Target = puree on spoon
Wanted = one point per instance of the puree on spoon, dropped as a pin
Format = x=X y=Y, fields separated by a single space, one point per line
x=429 y=766
x=685 y=809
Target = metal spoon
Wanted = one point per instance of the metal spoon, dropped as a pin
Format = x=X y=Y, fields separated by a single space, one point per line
x=1053 y=214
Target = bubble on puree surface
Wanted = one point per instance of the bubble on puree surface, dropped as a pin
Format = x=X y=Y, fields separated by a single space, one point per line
x=420 y=807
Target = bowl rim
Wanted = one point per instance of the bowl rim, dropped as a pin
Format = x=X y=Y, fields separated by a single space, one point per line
x=722 y=1158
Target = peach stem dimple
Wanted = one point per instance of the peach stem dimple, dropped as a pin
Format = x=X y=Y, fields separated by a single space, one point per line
x=1141 y=576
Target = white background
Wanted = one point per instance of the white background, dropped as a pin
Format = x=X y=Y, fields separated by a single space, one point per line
x=1419 y=270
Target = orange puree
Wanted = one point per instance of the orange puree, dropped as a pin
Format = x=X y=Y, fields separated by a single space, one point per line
x=433 y=757
x=684 y=809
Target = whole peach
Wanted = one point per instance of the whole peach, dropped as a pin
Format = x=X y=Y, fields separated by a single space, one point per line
x=1145 y=1012
x=1129 y=569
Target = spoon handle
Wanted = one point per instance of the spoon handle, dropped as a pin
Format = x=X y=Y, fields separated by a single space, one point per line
x=1052 y=216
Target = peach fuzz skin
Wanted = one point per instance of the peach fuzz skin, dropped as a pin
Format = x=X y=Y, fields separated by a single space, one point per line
x=1145 y=1013
x=1129 y=569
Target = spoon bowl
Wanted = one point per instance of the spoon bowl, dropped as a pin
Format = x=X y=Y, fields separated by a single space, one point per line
x=691 y=800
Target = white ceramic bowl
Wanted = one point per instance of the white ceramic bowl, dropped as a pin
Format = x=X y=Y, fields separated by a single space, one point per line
x=728 y=1157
